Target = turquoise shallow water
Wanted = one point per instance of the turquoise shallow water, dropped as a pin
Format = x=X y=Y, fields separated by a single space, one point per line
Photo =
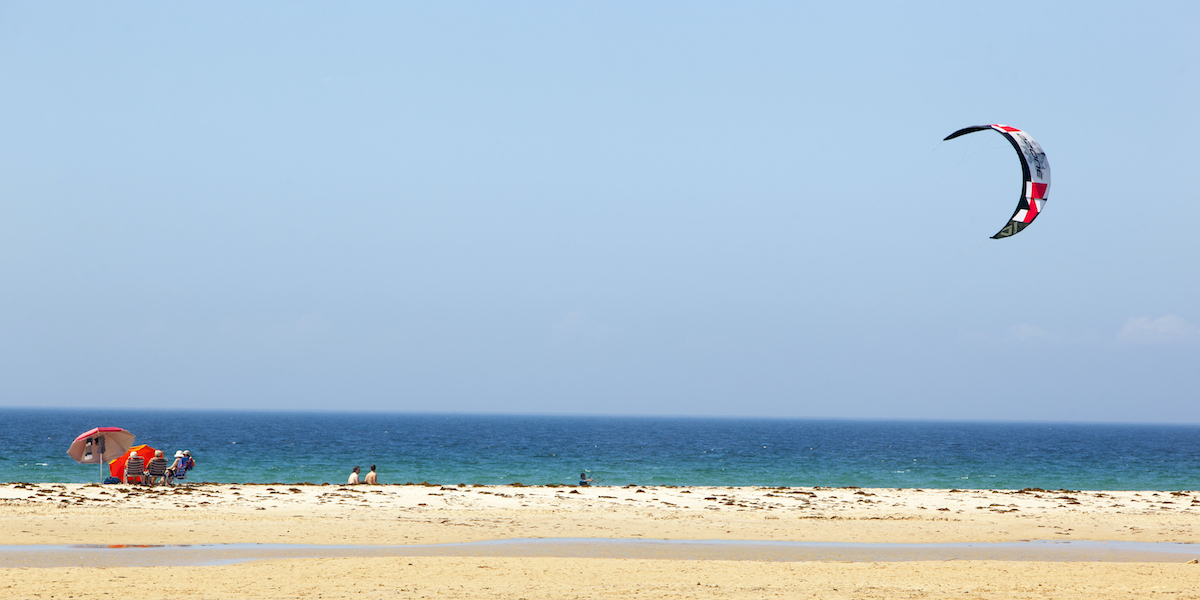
x=495 y=449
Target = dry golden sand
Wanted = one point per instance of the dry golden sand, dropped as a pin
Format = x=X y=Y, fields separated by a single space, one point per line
x=611 y=578
x=387 y=515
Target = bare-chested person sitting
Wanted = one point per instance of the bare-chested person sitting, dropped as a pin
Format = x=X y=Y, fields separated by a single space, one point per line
x=156 y=469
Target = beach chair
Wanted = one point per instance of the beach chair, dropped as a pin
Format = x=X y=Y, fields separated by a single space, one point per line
x=133 y=469
x=156 y=471
x=181 y=474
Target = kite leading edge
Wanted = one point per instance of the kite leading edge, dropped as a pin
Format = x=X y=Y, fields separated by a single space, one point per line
x=1035 y=170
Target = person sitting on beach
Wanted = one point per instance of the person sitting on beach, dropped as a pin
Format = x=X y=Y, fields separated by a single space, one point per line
x=584 y=480
x=174 y=468
x=372 y=478
x=353 y=477
x=156 y=469
x=184 y=463
x=133 y=467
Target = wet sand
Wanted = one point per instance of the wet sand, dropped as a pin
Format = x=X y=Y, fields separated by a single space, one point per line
x=377 y=516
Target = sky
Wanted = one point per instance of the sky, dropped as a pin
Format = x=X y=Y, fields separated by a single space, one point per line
x=617 y=208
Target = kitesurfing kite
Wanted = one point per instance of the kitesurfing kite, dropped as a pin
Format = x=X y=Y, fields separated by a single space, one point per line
x=1034 y=168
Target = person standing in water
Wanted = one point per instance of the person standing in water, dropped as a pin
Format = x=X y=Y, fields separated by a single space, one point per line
x=353 y=477
x=372 y=478
x=584 y=480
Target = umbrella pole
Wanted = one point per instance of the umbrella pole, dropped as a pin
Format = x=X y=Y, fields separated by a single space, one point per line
x=102 y=463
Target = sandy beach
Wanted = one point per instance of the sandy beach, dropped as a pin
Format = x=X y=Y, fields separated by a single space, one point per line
x=387 y=515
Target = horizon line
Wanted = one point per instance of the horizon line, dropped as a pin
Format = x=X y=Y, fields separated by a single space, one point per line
x=597 y=415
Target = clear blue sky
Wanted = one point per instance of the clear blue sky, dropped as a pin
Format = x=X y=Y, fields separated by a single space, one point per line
x=600 y=208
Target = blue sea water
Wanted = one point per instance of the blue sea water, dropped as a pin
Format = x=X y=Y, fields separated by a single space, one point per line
x=495 y=449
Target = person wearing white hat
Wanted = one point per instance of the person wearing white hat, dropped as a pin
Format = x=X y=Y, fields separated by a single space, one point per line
x=134 y=467
x=174 y=468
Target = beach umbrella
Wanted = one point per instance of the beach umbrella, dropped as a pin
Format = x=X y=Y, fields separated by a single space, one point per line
x=116 y=466
x=92 y=446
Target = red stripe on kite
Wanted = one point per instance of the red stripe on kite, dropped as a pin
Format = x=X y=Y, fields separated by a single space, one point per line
x=1031 y=213
x=1039 y=191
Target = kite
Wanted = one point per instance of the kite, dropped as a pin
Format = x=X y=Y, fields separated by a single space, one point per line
x=1035 y=170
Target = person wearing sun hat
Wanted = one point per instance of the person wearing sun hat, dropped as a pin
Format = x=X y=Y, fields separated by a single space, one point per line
x=134 y=466
x=174 y=468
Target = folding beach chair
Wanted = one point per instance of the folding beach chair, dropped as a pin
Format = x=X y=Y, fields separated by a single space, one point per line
x=181 y=473
x=133 y=469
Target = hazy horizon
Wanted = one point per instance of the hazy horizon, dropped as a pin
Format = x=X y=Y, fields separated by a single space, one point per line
x=367 y=412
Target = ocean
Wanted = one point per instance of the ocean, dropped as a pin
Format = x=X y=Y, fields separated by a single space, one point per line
x=272 y=447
